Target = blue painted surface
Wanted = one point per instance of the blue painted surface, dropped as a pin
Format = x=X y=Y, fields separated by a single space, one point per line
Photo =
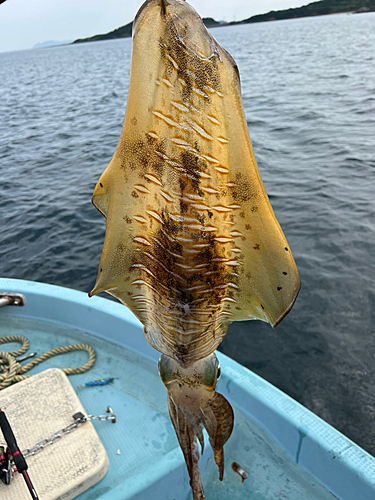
x=302 y=434
x=290 y=444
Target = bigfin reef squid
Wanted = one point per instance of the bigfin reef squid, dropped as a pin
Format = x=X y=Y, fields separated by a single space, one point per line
x=192 y=243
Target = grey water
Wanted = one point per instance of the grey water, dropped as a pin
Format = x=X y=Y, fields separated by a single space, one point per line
x=309 y=96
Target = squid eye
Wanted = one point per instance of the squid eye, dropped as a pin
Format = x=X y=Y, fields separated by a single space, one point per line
x=218 y=371
x=165 y=369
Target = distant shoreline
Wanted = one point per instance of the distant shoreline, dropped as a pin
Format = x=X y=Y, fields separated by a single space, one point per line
x=314 y=9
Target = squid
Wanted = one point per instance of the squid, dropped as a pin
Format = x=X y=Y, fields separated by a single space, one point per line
x=192 y=243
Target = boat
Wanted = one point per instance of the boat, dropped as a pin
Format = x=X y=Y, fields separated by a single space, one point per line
x=286 y=450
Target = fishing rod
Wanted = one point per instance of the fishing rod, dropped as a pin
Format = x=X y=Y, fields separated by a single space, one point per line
x=18 y=458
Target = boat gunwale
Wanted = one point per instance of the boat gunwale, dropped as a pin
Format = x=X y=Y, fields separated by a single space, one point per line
x=331 y=458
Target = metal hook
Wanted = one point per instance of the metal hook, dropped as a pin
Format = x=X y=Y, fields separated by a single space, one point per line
x=12 y=299
x=112 y=417
x=26 y=356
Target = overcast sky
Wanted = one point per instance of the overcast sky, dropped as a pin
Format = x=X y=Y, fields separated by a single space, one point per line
x=23 y=23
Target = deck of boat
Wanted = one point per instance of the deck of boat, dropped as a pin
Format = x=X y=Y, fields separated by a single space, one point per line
x=287 y=451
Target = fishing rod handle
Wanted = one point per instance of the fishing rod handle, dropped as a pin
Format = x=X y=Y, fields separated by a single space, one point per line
x=18 y=458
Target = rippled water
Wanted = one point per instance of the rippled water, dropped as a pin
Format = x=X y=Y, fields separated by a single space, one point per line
x=309 y=96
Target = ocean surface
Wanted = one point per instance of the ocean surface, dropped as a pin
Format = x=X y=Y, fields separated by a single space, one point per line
x=309 y=96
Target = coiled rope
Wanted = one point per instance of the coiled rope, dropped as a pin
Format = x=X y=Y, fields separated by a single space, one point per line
x=13 y=371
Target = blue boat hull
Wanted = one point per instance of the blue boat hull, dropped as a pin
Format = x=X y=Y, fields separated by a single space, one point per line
x=284 y=447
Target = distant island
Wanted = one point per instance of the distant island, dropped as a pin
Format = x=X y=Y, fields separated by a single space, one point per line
x=51 y=43
x=322 y=8
x=126 y=31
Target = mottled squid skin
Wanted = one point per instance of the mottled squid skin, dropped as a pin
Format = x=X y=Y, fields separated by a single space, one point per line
x=193 y=403
x=191 y=243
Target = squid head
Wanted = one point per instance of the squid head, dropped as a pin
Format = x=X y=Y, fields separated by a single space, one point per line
x=193 y=405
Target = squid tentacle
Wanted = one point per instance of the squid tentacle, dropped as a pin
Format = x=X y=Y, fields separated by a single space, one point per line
x=193 y=403
x=189 y=446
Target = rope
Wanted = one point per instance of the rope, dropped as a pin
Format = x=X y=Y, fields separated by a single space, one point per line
x=14 y=372
x=16 y=338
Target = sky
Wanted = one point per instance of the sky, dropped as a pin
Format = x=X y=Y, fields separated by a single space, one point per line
x=23 y=23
